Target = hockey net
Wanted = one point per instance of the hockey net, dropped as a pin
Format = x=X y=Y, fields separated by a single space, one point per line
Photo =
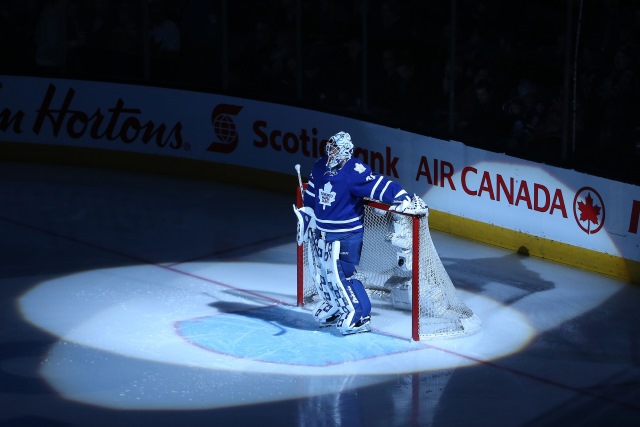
x=400 y=264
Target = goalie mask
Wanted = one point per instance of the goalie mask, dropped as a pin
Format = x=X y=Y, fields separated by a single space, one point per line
x=339 y=149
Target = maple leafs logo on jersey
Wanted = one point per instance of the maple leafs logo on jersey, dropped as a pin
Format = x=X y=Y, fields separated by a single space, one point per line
x=327 y=196
x=359 y=167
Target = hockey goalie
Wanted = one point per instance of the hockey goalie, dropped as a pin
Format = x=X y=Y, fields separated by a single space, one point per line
x=331 y=223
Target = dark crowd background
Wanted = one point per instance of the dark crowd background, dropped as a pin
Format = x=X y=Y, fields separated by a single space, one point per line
x=553 y=81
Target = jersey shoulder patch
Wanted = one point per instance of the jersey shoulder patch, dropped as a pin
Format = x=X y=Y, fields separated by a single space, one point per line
x=360 y=168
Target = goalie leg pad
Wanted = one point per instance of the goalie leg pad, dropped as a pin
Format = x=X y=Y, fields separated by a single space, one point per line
x=360 y=302
x=327 y=311
x=326 y=314
x=336 y=291
x=349 y=292
x=314 y=257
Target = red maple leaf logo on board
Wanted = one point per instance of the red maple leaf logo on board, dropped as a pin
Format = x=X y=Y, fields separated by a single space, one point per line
x=589 y=211
x=588 y=215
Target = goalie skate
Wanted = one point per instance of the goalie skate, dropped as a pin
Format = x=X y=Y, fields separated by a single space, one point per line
x=329 y=321
x=363 y=325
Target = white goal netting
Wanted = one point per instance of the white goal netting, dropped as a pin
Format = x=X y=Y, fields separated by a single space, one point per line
x=400 y=264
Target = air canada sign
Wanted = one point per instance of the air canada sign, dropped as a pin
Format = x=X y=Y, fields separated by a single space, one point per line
x=586 y=205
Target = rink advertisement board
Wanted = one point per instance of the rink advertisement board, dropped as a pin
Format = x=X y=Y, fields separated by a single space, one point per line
x=538 y=200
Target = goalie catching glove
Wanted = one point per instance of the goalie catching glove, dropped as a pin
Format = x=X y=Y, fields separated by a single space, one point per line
x=306 y=219
x=410 y=205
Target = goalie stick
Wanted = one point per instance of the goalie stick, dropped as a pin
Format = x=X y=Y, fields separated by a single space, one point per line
x=297 y=167
x=301 y=237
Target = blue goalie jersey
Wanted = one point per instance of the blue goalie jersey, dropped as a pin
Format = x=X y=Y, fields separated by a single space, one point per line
x=336 y=195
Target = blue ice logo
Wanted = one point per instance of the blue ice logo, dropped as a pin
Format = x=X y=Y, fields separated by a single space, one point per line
x=279 y=334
